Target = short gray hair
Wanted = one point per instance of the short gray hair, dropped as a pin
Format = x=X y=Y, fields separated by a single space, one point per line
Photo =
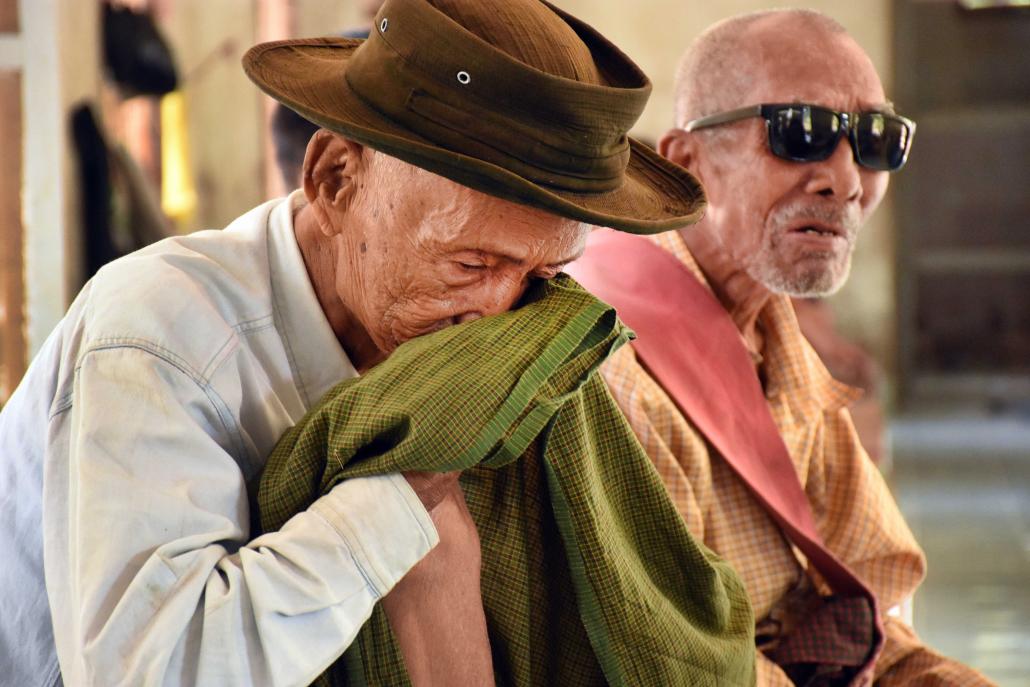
x=709 y=78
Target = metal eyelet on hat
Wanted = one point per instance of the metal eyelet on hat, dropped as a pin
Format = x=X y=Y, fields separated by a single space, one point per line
x=383 y=24
x=464 y=78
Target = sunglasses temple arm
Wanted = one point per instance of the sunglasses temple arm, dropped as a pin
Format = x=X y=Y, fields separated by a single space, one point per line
x=724 y=118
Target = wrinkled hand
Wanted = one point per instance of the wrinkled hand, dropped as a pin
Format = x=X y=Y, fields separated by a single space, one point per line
x=436 y=610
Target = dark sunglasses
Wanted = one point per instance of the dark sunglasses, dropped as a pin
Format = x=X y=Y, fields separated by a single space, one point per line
x=810 y=133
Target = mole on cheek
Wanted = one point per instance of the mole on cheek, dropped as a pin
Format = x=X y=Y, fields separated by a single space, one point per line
x=363 y=247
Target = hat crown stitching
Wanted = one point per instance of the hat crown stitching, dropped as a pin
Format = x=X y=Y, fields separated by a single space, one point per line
x=464 y=42
x=570 y=108
x=529 y=32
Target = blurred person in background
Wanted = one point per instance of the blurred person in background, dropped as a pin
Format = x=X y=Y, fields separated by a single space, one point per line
x=782 y=117
x=849 y=362
x=129 y=451
x=291 y=132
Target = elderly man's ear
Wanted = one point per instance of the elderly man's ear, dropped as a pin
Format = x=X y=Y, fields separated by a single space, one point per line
x=680 y=147
x=332 y=167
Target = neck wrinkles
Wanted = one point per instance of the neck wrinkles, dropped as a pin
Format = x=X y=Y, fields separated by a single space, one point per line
x=743 y=297
x=320 y=253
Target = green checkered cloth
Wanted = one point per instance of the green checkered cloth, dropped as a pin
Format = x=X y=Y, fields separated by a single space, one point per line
x=589 y=576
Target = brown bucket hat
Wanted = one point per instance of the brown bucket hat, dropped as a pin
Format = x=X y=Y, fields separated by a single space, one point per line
x=514 y=98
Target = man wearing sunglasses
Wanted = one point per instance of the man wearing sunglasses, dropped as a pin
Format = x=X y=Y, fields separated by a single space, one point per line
x=782 y=117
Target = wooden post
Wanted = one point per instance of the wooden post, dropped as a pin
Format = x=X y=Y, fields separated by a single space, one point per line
x=12 y=274
x=8 y=16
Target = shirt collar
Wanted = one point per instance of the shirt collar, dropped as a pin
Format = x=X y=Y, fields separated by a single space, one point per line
x=316 y=357
x=673 y=242
x=792 y=368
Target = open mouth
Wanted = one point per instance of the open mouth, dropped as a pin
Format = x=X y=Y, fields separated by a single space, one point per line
x=819 y=230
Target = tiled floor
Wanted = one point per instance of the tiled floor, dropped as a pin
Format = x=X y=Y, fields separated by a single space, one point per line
x=963 y=483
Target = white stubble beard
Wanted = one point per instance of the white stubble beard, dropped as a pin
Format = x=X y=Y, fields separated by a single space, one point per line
x=800 y=282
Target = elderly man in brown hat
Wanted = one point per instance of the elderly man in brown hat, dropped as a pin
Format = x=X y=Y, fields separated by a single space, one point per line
x=467 y=148
x=783 y=118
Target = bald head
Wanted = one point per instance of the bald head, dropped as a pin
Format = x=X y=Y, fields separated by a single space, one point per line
x=723 y=66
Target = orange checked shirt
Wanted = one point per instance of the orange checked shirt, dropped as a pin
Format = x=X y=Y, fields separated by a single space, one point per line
x=853 y=508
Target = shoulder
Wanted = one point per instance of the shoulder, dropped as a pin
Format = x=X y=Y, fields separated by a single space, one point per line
x=630 y=382
x=641 y=399
x=184 y=298
x=624 y=376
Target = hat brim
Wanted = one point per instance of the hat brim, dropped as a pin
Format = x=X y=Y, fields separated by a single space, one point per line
x=309 y=76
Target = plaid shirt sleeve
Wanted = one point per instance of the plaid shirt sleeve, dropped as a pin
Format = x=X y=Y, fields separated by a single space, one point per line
x=907 y=661
x=857 y=516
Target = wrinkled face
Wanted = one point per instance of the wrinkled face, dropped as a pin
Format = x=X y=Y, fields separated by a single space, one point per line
x=429 y=253
x=792 y=226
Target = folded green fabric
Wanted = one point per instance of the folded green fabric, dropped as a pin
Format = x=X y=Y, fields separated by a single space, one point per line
x=590 y=576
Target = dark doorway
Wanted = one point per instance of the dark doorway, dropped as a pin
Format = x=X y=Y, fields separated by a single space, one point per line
x=964 y=202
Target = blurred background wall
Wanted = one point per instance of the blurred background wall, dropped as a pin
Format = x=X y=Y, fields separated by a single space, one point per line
x=940 y=288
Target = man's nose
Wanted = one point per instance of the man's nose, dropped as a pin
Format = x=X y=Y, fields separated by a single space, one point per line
x=498 y=298
x=838 y=176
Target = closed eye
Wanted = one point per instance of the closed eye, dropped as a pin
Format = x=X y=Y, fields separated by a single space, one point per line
x=472 y=266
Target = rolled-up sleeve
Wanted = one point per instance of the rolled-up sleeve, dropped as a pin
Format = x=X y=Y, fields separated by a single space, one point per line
x=153 y=580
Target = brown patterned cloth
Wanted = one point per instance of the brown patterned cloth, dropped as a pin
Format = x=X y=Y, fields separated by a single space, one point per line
x=828 y=645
